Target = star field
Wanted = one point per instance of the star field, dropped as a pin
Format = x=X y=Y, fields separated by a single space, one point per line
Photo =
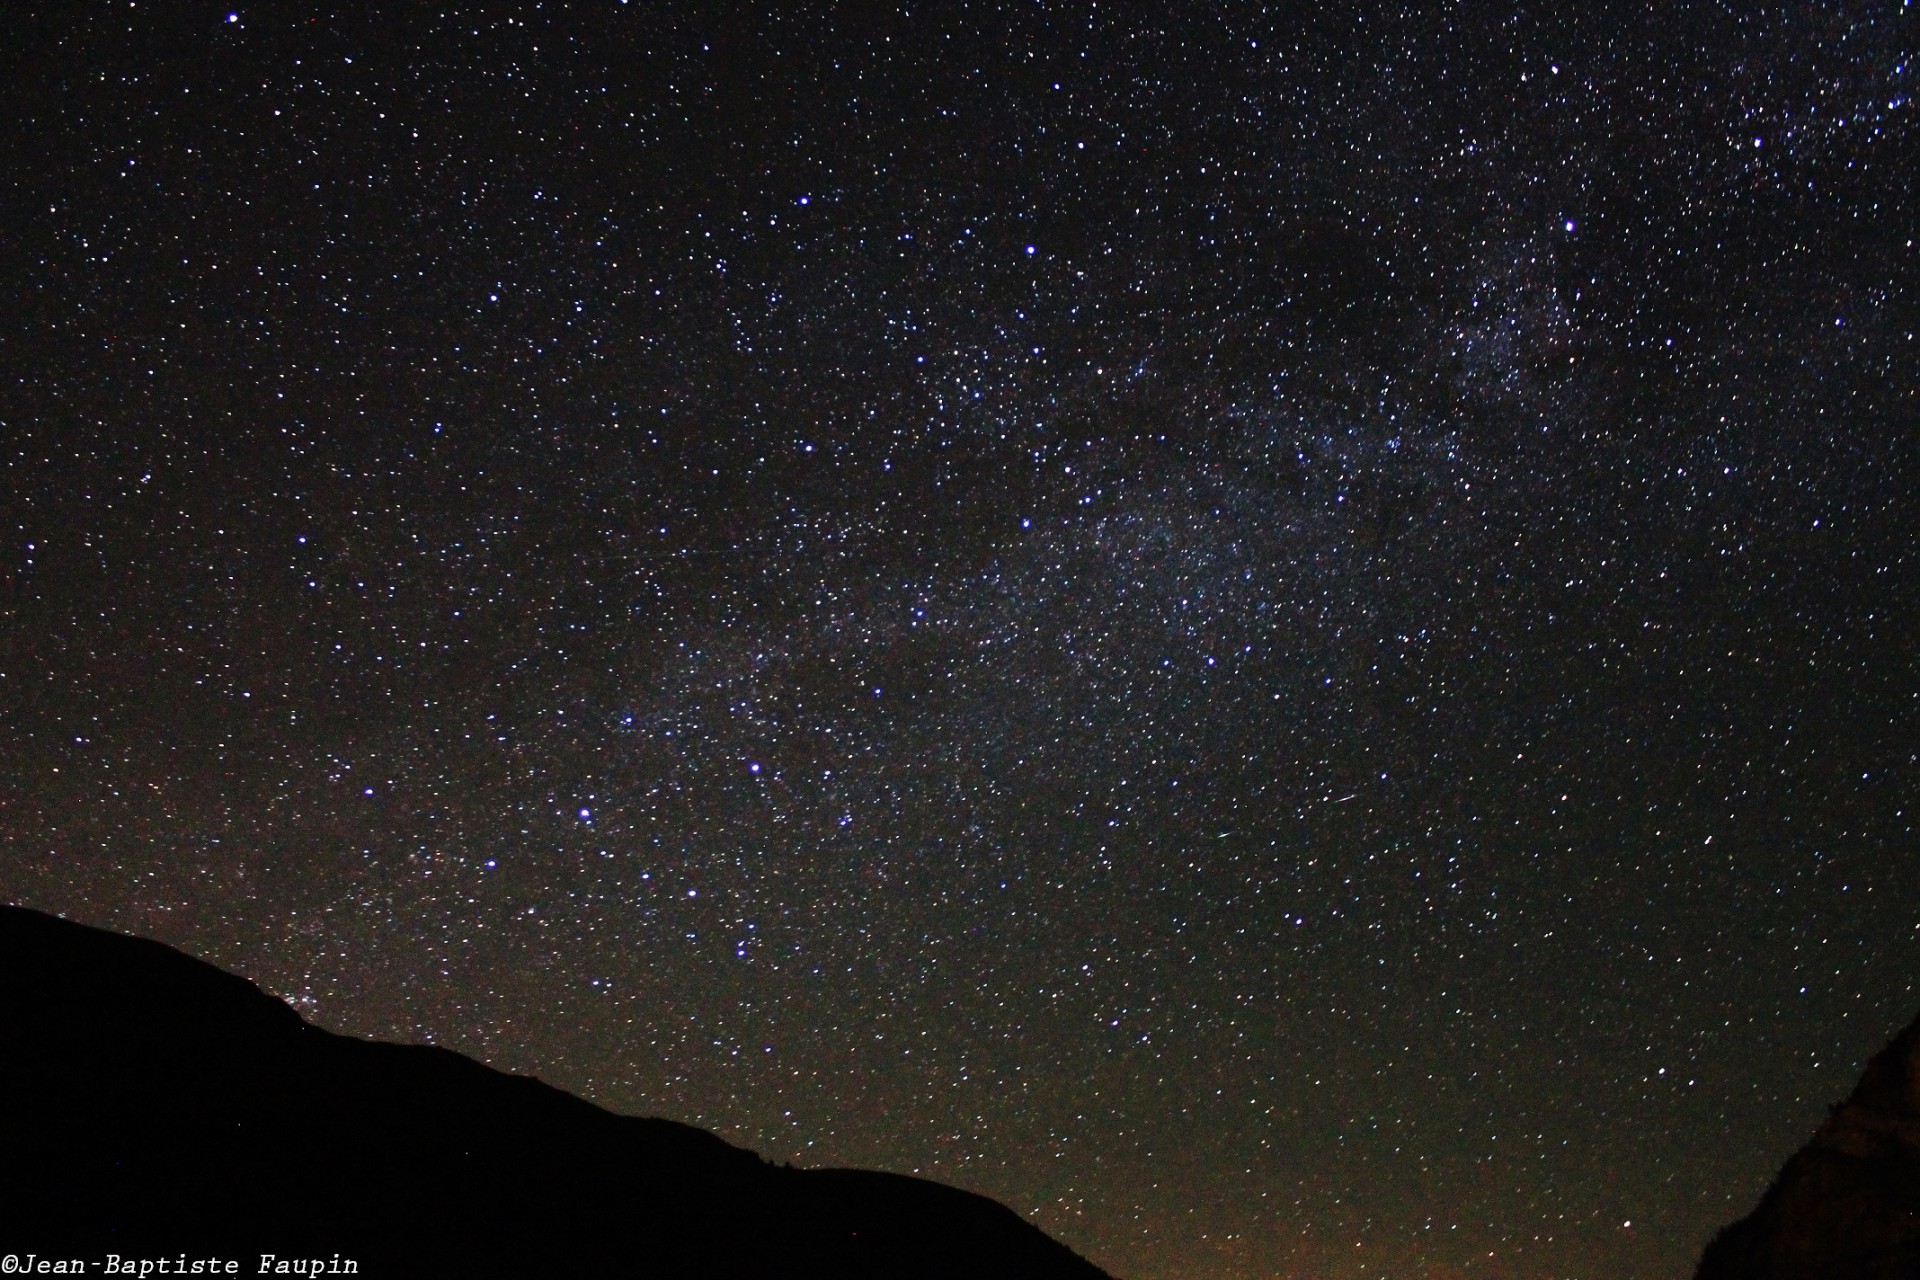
x=1282 y=638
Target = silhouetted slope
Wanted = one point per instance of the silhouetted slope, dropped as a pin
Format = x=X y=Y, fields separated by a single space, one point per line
x=150 y=1102
x=1847 y=1205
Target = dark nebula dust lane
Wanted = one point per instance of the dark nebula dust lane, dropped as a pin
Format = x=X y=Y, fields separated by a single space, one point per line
x=1282 y=638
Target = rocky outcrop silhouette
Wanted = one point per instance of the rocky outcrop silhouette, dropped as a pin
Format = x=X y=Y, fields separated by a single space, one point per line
x=1847 y=1205
x=152 y=1105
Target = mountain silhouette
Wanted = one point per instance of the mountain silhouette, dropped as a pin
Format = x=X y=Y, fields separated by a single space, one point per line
x=1847 y=1205
x=152 y=1104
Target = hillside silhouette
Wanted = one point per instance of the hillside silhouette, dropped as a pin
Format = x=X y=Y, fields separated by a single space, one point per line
x=1847 y=1205
x=152 y=1103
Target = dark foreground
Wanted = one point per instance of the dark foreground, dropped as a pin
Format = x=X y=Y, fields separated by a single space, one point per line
x=153 y=1105
x=1847 y=1205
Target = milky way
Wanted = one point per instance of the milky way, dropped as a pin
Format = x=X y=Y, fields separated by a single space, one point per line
x=1281 y=638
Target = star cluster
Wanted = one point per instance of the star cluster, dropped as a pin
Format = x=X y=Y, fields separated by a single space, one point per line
x=1283 y=638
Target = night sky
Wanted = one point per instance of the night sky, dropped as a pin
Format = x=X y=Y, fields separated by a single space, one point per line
x=1284 y=636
